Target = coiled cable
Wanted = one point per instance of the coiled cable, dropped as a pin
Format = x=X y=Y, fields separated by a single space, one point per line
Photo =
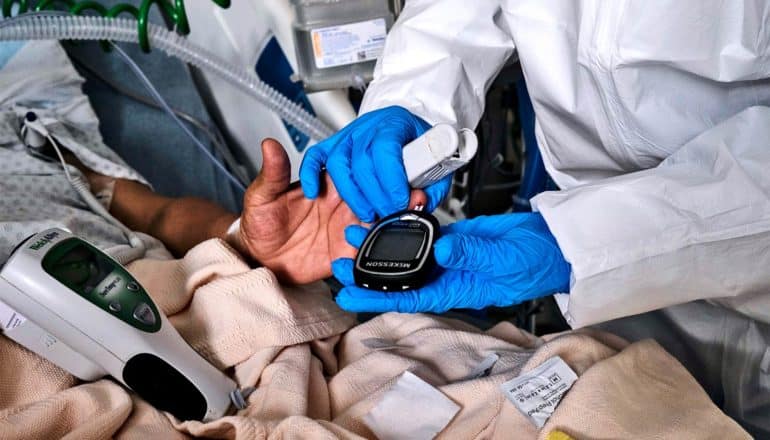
x=33 y=127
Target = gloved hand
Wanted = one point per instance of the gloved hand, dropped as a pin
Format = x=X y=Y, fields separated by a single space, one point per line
x=498 y=260
x=365 y=163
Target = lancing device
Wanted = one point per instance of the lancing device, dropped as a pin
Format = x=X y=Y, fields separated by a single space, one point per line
x=72 y=304
x=438 y=153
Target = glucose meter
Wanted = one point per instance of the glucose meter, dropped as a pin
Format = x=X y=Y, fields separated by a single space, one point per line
x=74 y=305
x=397 y=254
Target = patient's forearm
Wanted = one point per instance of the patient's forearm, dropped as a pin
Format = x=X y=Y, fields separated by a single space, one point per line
x=180 y=223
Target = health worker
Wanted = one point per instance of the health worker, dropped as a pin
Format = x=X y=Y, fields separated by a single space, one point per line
x=653 y=118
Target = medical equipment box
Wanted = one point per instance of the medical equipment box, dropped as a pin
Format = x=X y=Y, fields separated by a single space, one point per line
x=338 y=41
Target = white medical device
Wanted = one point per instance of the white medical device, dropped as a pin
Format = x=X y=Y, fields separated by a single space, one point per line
x=337 y=43
x=437 y=153
x=72 y=304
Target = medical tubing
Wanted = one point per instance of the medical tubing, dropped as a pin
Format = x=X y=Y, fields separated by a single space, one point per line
x=137 y=249
x=33 y=27
x=173 y=11
x=159 y=98
x=212 y=133
x=124 y=255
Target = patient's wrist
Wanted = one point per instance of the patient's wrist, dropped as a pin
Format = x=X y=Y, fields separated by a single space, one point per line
x=233 y=237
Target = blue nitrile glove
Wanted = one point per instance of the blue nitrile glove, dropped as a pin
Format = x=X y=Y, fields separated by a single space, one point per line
x=365 y=163
x=498 y=260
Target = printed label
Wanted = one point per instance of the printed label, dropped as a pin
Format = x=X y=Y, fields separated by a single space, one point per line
x=537 y=393
x=44 y=241
x=9 y=318
x=350 y=43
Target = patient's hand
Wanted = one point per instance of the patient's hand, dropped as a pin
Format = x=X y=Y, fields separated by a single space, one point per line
x=295 y=237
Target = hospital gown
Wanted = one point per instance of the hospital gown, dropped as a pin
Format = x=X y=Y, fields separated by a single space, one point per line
x=34 y=192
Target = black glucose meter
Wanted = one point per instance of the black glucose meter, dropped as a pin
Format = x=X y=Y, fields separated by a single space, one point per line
x=397 y=254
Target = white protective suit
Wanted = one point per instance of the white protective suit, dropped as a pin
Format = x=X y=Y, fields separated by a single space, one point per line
x=653 y=118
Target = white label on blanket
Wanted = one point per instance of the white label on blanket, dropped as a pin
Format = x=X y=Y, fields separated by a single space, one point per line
x=349 y=43
x=537 y=393
x=9 y=318
x=412 y=409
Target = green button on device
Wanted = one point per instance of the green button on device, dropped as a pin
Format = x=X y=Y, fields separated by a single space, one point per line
x=103 y=282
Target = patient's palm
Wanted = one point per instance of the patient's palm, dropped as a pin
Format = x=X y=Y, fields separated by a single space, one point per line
x=295 y=237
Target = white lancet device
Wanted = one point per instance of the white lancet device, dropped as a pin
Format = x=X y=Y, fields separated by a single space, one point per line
x=438 y=153
x=71 y=303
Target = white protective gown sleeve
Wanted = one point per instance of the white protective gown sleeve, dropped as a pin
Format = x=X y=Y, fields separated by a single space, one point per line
x=651 y=116
x=440 y=58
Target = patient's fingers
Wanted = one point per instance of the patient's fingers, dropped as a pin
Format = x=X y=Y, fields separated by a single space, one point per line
x=273 y=179
x=418 y=198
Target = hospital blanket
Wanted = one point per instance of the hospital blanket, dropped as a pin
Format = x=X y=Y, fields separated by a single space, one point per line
x=318 y=374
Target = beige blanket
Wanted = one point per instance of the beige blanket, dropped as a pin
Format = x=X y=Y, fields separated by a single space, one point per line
x=317 y=376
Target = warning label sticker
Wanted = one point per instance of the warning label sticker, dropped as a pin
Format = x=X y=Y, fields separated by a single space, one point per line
x=348 y=44
x=537 y=392
x=9 y=318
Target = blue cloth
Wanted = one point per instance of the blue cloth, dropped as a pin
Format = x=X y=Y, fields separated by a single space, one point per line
x=147 y=138
x=499 y=260
x=365 y=162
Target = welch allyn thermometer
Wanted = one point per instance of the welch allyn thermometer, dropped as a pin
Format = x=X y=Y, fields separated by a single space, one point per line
x=71 y=303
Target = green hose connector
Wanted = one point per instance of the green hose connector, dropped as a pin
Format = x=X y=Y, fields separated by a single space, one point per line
x=172 y=10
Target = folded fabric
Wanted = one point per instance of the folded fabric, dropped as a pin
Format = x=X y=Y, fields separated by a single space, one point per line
x=317 y=376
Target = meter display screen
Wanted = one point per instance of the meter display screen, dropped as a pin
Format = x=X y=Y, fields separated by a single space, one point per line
x=82 y=269
x=397 y=253
x=397 y=244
